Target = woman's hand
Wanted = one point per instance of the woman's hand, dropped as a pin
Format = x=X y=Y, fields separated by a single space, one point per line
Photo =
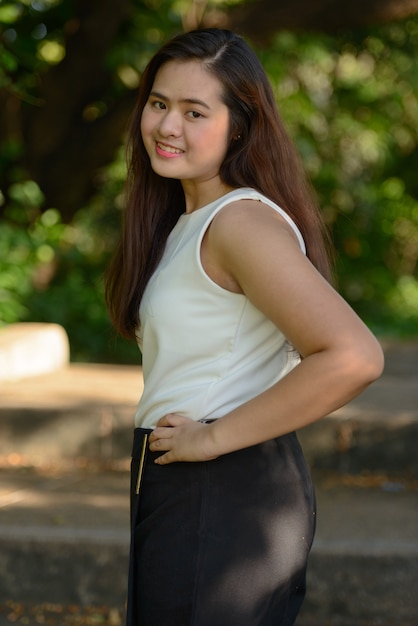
x=181 y=439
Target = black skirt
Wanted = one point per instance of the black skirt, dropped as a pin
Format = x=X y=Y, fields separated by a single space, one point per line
x=222 y=542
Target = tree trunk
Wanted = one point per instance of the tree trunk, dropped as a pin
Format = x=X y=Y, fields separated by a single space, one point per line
x=261 y=19
x=81 y=121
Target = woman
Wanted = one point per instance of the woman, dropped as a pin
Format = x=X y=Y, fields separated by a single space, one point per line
x=222 y=276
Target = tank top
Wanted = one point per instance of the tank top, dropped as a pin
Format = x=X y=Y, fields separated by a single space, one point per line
x=205 y=350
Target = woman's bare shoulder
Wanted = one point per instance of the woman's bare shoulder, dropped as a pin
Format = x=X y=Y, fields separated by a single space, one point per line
x=249 y=219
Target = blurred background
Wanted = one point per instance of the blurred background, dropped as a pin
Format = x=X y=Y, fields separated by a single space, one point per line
x=346 y=80
x=345 y=75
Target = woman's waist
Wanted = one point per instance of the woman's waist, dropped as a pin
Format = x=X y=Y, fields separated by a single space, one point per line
x=212 y=398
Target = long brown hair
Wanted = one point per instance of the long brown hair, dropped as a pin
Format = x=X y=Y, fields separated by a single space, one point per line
x=263 y=158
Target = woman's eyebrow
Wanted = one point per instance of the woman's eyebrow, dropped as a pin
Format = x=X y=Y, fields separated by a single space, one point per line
x=156 y=94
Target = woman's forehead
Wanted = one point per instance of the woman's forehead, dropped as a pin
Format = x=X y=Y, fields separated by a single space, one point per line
x=190 y=77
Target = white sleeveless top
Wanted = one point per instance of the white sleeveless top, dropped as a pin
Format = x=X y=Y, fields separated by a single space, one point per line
x=205 y=350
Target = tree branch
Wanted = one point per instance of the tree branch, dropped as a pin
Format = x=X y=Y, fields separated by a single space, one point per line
x=261 y=19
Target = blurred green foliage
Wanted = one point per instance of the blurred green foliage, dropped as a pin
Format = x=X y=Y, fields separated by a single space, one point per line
x=52 y=272
x=350 y=102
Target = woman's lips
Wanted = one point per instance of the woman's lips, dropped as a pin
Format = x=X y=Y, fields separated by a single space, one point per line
x=167 y=151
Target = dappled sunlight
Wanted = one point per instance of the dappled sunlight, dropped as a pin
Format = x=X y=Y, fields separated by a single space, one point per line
x=406 y=296
x=37 y=499
x=80 y=412
x=64 y=500
x=52 y=52
x=77 y=384
x=351 y=69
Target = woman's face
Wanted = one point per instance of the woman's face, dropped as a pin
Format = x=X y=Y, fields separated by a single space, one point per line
x=185 y=124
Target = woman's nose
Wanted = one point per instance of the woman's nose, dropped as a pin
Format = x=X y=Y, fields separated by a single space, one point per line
x=170 y=124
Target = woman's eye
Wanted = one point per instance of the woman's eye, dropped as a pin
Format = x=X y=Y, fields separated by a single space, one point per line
x=159 y=105
x=194 y=115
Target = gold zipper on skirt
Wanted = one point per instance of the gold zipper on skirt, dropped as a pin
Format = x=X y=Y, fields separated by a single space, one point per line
x=141 y=463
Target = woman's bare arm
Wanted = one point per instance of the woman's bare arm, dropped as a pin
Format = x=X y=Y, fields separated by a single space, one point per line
x=257 y=253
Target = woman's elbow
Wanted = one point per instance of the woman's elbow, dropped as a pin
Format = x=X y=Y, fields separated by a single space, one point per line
x=367 y=361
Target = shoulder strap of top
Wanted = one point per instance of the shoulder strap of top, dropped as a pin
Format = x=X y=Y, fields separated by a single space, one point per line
x=251 y=194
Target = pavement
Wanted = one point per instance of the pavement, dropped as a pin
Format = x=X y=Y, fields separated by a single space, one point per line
x=64 y=498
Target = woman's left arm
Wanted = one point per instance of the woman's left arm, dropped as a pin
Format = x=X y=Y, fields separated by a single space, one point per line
x=340 y=356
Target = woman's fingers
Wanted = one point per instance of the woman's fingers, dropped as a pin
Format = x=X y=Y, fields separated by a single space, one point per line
x=180 y=439
x=165 y=459
x=160 y=437
x=173 y=419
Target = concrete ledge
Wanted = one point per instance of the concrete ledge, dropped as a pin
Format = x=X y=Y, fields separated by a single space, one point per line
x=79 y=571
x=31 y=349
x=361 y=587
x=100 y=433
x=64 y=539
x=74 y=570
x=87 y=410
x=103 y=433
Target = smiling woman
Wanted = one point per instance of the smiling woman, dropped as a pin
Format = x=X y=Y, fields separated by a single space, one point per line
x=185 y=128
x=221 y=276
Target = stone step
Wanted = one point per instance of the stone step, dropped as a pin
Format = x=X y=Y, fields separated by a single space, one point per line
x=86 y=410
x=64 y=529
x=64 y=540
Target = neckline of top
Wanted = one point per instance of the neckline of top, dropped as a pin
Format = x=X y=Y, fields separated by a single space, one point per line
x=206 y=206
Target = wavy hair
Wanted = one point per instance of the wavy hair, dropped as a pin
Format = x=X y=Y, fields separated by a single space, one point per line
x=263 y=158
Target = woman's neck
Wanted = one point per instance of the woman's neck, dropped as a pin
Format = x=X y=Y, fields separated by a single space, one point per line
x=199 y=195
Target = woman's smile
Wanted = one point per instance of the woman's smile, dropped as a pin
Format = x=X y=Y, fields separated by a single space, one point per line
x=185 y=124
x=167 y=151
